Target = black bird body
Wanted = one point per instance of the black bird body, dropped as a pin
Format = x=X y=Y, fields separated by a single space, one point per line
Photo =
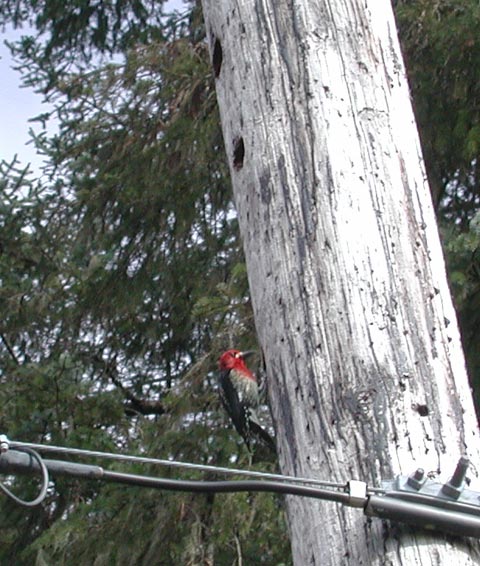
x=240 y=397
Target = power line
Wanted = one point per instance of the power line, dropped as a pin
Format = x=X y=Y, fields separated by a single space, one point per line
x=413 y=499
x=43 y=448
x=14 y=460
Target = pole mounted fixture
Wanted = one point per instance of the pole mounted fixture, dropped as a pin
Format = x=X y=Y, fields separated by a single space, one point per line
x=414 y=499
x=417 y=500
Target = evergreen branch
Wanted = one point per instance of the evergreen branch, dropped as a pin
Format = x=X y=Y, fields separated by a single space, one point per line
x=9 y=349
x=135 y=405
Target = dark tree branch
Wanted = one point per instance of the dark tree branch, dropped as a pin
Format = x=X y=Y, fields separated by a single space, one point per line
x=9 y=349
x=134 y=405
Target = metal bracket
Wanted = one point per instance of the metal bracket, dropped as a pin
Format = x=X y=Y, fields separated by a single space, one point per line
x=450 y=495
x=419 y=501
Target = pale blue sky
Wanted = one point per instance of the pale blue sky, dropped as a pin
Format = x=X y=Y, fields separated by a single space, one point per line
x=18 y=105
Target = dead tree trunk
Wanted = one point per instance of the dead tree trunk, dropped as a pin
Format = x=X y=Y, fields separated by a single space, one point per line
x=353 y=312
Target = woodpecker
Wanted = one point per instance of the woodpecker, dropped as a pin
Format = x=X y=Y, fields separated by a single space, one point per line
x=240 y=396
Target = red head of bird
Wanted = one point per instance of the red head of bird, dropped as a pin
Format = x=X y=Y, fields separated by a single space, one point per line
x=235 y=359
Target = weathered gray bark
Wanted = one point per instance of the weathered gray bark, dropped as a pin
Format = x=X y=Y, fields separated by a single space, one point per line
x=353 y=312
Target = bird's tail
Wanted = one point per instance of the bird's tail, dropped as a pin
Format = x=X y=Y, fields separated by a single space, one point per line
x=263 y=435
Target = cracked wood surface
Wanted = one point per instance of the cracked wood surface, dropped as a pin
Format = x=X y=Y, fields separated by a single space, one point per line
x=366 y=373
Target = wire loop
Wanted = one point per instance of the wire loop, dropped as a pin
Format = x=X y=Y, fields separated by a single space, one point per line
x=45 y=480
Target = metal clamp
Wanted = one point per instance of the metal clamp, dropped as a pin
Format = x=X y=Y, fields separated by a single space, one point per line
x=357 y=491
x=416 y=500
x=4 y=443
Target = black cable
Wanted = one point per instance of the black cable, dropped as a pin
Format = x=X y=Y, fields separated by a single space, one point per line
x=47 y=448
x=15 y=461
x=227 y=486
x=411 y=508
x=45 y=480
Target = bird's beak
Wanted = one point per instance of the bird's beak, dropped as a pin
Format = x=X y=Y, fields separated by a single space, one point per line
x=248 y=353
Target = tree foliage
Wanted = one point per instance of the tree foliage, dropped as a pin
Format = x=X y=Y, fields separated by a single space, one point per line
x=122 y=278
x=86 y=27
x=122 y=275
x=442 y=51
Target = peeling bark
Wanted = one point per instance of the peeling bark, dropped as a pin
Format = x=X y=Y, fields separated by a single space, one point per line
x=366 y=373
